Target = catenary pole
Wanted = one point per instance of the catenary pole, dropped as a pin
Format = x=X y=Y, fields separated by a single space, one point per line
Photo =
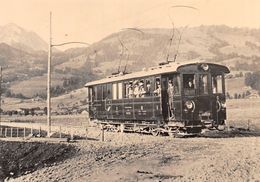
x=0 y=95
x=49 y=72
x=49 y=80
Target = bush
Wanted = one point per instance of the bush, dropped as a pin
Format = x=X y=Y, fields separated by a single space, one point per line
x=253 y=80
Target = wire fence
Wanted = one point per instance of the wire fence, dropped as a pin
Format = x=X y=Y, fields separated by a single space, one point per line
x=35 y=130
x=38 y=131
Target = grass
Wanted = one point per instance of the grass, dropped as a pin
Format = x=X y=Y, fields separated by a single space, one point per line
x=242 y=111
x=67 y=100
x=35 y=85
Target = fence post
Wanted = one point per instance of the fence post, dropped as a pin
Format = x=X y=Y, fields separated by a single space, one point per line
x=122 y=128
x=11 y=132
x=40 y=132
x=5 y=132
x=102 y=133
x=1 y=129
x=87 y=128
x=17 y=132
x=71 y=134
x=24 y=132
x=248 y=125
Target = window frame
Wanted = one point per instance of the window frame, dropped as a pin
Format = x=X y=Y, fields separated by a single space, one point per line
x=214 y=76
x=207 y=84
x=114 y=91
x=187 y=91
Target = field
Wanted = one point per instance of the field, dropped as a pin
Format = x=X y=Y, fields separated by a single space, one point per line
x=241 y=112
x=35 y=85
x=136 y=157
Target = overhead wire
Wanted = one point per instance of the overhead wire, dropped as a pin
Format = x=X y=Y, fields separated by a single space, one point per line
x=180 y=33
x=127 y=58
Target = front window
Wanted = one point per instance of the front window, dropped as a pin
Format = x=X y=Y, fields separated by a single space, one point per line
x=217 y=84
x=189 y=85
x=203 y=84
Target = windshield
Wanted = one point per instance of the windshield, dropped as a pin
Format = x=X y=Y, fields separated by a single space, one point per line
x=217 y=84
x=189 y=85
x=203 y=84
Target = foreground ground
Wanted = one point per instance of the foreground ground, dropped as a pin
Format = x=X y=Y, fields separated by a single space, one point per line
x=134 y=157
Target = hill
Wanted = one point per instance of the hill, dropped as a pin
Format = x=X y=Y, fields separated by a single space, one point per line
x=238 y=48
x=20 y=38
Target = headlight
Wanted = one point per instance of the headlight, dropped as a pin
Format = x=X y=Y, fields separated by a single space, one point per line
x=189 y=104
x=223 y=104
x=205 y=67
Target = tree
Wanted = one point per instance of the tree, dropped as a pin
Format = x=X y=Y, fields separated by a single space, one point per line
x=253 y=80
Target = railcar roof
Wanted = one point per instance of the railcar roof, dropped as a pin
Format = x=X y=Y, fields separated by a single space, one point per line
x=167 y=68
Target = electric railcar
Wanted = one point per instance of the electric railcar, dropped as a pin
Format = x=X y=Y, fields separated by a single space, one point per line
x=170 y=98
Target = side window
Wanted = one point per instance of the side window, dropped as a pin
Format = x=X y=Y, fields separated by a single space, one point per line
x=136 y=88
x=157 y=85
x=149 y=87
x=128 y=89
x=120 y=90
x=109 y=91
x=104 y=92
x=203 y=84
x=114 y=91
x=142 y=91
x=99 y=92
x=95 y=93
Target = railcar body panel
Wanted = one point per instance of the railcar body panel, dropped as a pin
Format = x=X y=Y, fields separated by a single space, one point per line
x=190 y=94
x=142 y=109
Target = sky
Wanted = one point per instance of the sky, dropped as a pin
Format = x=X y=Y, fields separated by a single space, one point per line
x=91 y=20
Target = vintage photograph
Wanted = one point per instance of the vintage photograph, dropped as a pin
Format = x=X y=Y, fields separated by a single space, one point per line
x=129 y=90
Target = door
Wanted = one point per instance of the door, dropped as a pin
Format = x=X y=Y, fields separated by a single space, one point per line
x=171 y=97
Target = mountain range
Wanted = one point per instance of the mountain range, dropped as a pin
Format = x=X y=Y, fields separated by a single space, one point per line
x=24 y=58
x=21 y=39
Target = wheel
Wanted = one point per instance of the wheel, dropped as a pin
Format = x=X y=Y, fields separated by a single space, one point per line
x=155 y=132
x=171 y=134
x=116 y=129
x=220 y=127
x=174 y=133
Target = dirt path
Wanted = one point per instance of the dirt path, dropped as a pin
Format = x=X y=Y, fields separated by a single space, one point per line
x=133 y=157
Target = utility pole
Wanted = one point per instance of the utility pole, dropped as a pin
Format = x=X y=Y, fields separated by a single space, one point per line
x=49 y=81
x=0 y=95
x=49 y=73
